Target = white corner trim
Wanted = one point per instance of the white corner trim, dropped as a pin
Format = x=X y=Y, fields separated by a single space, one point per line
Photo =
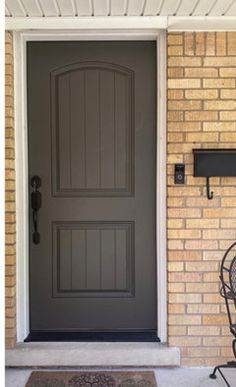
x=22 y=252
x=161 y=189
x=21 y=165
x=121 y=23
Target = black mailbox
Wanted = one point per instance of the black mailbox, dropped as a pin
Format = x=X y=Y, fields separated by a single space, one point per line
x=214 y=162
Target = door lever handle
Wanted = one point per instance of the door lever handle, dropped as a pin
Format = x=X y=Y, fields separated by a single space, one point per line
x=36 y=203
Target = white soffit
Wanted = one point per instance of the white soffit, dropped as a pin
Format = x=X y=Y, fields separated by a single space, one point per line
x=142 y=14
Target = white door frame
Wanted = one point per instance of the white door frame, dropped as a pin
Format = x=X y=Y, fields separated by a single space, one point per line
x=22 y=200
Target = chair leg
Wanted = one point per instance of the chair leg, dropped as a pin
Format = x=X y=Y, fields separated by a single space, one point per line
x=230 y=364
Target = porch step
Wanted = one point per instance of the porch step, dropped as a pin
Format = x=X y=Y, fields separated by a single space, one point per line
x=92 y=355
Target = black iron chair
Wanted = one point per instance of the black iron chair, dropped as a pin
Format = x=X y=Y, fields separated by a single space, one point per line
x=228 y=292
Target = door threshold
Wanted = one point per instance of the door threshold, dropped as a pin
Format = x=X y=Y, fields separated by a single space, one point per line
x=88 y=354
x=93 y=336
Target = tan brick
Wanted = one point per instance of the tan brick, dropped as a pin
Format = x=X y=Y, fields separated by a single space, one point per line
x=175 y=245
x=10 y=238
x=9 y=69
x=184 y=213
x=227 y=352
x=176 y=309
x=202 y=137
x=203 y=309
x=10 y=323
x=212 y=255
x=184 y=105
x=201 y=201
x=210 y=43
x=203 y=352
x=201 y=245
x=217 y=341
x=175 y=202
x=184 y=255
x=175 y=50
x=10 y=259
x=184 y=126
x=10 y=342
x=219 y=213
x=185 y=277
x=201 y=266
x=200 y=72
x=186 y=83
x=185 y=298
x=184 y=62
x=226 y=191
x=200 y=43
x=202 y=287
x=212 y=298
x=175 y=223
x=10 y=270
x=211 y=277
x=174 y=39
x=10 y=281
x=201 y=94
x=175 y=94
x=219 y=234
x=177 y=330
x=175 y=116
x=228 y=223
x=219 y=62
x=228 y=94
x=231 y=39
x=206 y=331
x=174 y=158
x=184 y=320
x=176 y=287
x=185 y=341
x=10 y=312
x=201 y=116
x=189 y=43
x=219 y=126
x=228 y=72
x=219 y=83
x=175 y=72
x=184 y=234
x=202 y=223
x=220 y=43
x=228 y=137
x=219 y=105
x=179 y=148
x=224 y=244
x=175 y=266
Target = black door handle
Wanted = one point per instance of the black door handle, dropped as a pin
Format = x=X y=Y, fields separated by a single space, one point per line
x=36 y=203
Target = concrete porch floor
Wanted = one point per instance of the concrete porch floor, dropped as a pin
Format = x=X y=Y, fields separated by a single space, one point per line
x=165 y=376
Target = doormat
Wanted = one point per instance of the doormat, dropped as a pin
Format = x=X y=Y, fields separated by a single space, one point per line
x=91 y=379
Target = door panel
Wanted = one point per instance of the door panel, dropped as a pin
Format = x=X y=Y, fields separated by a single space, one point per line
x=91 y=115
x=93 y=126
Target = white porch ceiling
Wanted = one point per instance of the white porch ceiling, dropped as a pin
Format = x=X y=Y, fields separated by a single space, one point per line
x=96 y=8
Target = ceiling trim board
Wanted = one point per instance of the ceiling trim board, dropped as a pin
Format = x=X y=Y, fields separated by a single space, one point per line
x=175 y=23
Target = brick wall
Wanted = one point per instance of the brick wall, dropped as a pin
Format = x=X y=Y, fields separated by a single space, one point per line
x=10 y=196
x=201 y=114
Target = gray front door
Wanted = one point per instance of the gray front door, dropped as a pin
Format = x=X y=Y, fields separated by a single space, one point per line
x=91 y=119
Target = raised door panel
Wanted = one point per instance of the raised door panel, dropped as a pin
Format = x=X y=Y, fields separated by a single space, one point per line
x=92 y=130
x=93 y=259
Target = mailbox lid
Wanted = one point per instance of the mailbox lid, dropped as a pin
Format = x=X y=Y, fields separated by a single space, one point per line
x=214 y=162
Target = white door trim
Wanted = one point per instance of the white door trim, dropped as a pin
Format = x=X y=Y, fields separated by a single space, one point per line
x=22 y=200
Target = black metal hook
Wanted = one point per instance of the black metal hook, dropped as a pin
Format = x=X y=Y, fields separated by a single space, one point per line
x=209 y=194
